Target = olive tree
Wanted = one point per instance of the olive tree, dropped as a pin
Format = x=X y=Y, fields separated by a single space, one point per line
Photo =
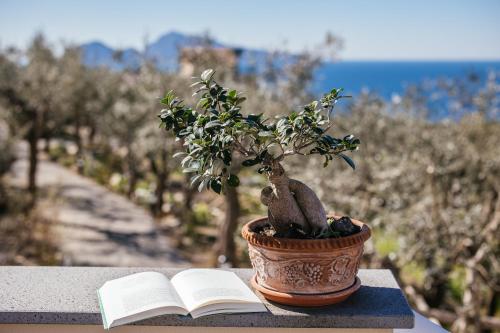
x=80 y=98
x=124 y=121
x=216 y=130
x=28 y=92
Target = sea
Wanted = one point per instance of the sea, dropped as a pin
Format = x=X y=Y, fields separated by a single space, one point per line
x=392 y=78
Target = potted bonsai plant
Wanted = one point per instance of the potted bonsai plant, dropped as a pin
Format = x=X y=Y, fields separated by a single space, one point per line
x=300 y=255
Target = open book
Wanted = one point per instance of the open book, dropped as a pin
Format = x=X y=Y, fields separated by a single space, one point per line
x=198 y=292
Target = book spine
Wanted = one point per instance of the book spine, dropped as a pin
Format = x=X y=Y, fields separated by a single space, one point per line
x=103 y=314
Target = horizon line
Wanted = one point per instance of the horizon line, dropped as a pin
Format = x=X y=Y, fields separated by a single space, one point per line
x=340 y=59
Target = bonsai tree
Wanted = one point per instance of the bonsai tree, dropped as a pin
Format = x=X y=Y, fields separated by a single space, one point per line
x=216 y=130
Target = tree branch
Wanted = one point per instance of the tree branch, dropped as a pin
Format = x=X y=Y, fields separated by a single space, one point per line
x=444 y=316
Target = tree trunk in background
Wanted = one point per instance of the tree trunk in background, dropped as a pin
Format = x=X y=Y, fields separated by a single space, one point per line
x=92 y=135
x=47 y=138
x=160 y=171
x=186 y=214
x=436 y=296
x=131 y=184
x=226 y=246
x=188 y=194
x=33 y=161
x=469 y=315
x=33 y=137
x=132 y=173
x=160 y=189
x=492 y=307
x=78 y=141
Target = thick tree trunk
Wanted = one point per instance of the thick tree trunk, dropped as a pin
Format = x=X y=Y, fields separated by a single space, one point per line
x=292 y=205
x=310 y=205
x=226 y=247
x=284 y=211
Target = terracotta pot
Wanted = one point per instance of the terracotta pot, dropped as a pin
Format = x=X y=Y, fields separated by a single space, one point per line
x=305 y=268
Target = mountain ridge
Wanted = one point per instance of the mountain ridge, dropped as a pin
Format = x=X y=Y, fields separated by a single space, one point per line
x=163 y=52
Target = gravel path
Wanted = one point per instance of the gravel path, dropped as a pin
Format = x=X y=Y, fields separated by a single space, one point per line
x=94 y=226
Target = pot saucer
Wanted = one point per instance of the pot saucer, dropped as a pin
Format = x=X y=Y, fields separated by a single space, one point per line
x=306 y=300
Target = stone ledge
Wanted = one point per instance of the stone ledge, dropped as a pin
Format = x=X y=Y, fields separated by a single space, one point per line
x=67 y=295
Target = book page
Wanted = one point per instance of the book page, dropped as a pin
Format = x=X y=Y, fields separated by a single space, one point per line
x=201 y=287
x=227 y=307
x=135 y=294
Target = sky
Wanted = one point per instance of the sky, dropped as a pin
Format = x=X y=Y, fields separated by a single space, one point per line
x=371 y=30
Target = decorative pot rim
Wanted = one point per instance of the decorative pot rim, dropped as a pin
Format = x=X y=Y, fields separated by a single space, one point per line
x=307 y=245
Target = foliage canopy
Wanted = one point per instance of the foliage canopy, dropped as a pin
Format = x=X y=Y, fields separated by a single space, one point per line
x=216 y=129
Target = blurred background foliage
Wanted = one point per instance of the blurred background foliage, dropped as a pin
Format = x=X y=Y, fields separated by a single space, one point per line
x=430 y=189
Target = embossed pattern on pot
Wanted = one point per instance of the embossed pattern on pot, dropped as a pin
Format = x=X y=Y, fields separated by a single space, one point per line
x=331 y=271
x=327 y=269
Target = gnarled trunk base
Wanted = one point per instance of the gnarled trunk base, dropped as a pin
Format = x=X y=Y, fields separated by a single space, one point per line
x=292 y=204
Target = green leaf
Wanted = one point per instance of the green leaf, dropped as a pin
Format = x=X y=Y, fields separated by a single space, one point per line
x=226 y=157
x=348 y=160
x=216 y=185
x=213 y=123
x=233 y=180
x=186 y=159
x=254 y=117
x=189 y=170
x=348 y=137
x=203 y=184
x=249 y=163
x=203 y=103
x=169 y=96
x=195 y=179
x=266 y=134
x=207 y=74
x=179 y=154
